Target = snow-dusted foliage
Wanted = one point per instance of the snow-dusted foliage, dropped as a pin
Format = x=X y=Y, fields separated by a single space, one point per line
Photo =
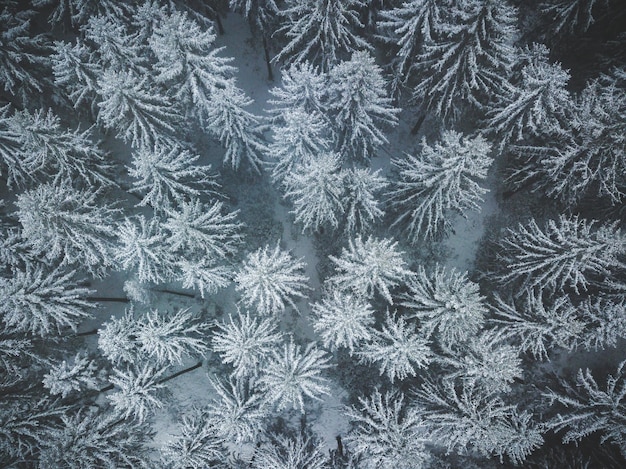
x=22 y=54
x=585 y=407
x=538 y=103
x=64 y=224
x=42 y=301
x=203 y=229
x=195 y=445
x=142 y=248
x=78 y=12
x=343 y=320
x=10 y=148
x=369 y=267
x=238 y=130
x=236 y=415
x=159 y=338
x=203 y=275
x=164 y=174
x=359 y=199
x=320 y=31
x=95 y=439
x=137 y=387
x=486 y=362
x=448 y=305
x=114 y=45
x=291 y=374
x=46 y=148
x=298 y=136
x=315 y=188
x=245 y=343
x=441 y=180
x=388 y=433
x=304 y=87
x=605 y=321
x=469 y=56
x=465 y=418
x=537 y=325
x=399 y=349
x=406 y=27
x=65 y=378
x=139 y=112
x=571 y=16
x=569 y=252
x=284 y=452
x=76 y=70
x=361 y=106
x=268 y=280
x=188 y=63
x=260 y=13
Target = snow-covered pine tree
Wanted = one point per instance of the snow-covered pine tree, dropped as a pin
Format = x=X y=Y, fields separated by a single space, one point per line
x=43 y=301
x=304 y=87
x=369 y=267
x=388 y=433
x=139 y=112
x=142 y=248
x=539 y=103
x=443 y=178
x=78 y=374
x=268 y=280
x=195 y=445
x=586 y=408
x=320 y=31
x=47 y=148
x=284 y=452
x=77 y=12
x=203 y=229
x=237 y=414
x=110 y=37
x=315 y=188
x=361 y=108
x=361 y=205
x=343 y=320
x=238 y=130
x=466 y=418
x=165 y=174
x=60 y=223
x=117 y=339
x=76 y=70
x=448 y=305
x=468 y=58
x=298 y=136
x=406 y=27
x=137 y=387
x=399 y=349
x=291 y=374
x=10 y=148
x=203 y=275
x=245 y=343
x=605 y=322
x=22 y=56
x=569 y=252
x=188 y=63
x=537 y=324
x=95 y=439
x=569 y=17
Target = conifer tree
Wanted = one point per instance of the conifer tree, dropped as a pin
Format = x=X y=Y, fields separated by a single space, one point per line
x=360 y=198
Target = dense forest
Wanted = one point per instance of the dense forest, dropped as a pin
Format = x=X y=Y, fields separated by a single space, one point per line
x=307 y=234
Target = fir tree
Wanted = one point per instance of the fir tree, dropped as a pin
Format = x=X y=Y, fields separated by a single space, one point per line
x=10 y=151
x=388 y=433
x=304 y=87
x=369 y=267
x=448 y=306
x=443 y=178
x=203 y=275
x=571 y=16
x=78 y=375
x=361 y=107
x=315 y=188
x=60 y=223
x=136 y=395
x=605 y=321
x=359 y=199
x=269 y=280
x=399 y=349
x=114 y=45
x=285 y=452
x=78 y=12
x=76 y=70
x=320 y=31
x=292 y=374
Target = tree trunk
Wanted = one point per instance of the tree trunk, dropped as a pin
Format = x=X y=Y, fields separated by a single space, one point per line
x=418 y=124
x=181 y=372
x=339 y=446
x=102 y=298
x=270 y=74
x=83 y=334
x=220 y=26
x=172 y=292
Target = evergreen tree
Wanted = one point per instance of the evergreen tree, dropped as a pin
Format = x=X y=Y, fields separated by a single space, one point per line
x=78 y=12
x=443 y=178
x=268 y=280
x=571 y=16
x=76 y=70
x=285 y=452
x=448 y=306
x=469 y=57
x=10 y=151
x=304 y=87
x=362 y=207
x=320 y=31
x=114 y=45
x=203 y=275
x=77 y=375
x=136 y=395
x=361 y=107
x=388 y=433
x=60 y=223
x=369 y=267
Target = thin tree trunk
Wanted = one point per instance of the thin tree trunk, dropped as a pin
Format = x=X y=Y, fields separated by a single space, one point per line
x=416 y=128
x=91 y=332
x=270 y=74
x=172 y=292
x=339 y=446
x=220 y=26
x=181 y=372
x=103 y=298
